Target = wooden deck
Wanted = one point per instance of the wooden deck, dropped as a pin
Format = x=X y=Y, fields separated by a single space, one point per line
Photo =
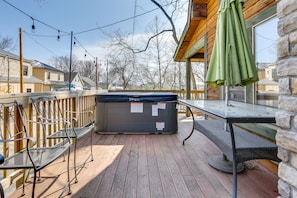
x=153 y=166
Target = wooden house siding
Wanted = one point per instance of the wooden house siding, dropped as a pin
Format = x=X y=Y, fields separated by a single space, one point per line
x=254 y=7
x=208 y=26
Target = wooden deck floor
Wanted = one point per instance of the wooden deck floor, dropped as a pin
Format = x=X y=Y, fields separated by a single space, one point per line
x=153 y=166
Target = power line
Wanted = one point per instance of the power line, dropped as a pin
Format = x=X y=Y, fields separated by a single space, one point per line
x=50 y=26
x=117 y=22
x=81 y=32
x=48 y=36
x=67 y=33
x=134 y=22
x=30 y=36
x=34 y=19
x=86 y=51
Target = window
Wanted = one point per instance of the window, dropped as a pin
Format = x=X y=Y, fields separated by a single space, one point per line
x=48 y=75
x=266 y=91
x=25 y=72
x=59 y=77
x=265 y=50
x=29 y=90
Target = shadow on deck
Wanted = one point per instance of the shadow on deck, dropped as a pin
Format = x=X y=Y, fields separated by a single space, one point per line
x=153 y=166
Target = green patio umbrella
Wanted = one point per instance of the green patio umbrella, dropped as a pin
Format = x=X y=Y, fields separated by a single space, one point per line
x=232 y=62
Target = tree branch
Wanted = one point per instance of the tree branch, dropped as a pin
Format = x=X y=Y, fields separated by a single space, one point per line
x=169 y=19
x=148 y=42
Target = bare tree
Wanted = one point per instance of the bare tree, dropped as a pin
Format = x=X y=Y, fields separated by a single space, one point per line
x=159 y=52
x=6 y=42
x=63 y=63
x=175 y=5
x=87 y=68
x=172 y=11
x=147 y=77
x=198 y=73
x=121 y=69
x=121 y=61
x=155 y=67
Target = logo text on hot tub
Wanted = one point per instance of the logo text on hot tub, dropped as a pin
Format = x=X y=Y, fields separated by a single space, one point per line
x=134 y=99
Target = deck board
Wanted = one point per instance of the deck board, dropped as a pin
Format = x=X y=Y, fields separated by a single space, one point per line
x=143 y=188
x=152 y=166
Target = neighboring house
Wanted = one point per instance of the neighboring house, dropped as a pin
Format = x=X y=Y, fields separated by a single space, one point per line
x=76 y=81
x=10 y=80
x=268 y=82
x=88 y=83
x=51 y=77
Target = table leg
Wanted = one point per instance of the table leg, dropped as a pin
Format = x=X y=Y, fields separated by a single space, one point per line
x=192 y=126
x=234 y=194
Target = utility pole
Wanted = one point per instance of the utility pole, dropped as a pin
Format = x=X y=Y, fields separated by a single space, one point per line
x=96 y=74
x=21 y=63
x=107 y=70
x=70 y=61
x=8 y=76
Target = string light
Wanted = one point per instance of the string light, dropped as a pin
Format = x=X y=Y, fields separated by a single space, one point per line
x=33 y=25
x=34 y=19
x=67 y=33
x=86 y=51
x=85 y=31
x=58 y=37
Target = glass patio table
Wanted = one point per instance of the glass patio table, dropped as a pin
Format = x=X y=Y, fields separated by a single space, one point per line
x=238 y=145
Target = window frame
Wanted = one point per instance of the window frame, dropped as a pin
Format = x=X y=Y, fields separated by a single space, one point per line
x=48 y=75
x=250 y=90
x=26 y=70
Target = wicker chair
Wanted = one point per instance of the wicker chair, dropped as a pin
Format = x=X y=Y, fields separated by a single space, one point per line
x=30 y=154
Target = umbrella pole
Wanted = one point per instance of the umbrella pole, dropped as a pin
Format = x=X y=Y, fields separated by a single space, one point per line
x=226 y=103
x=227 y=95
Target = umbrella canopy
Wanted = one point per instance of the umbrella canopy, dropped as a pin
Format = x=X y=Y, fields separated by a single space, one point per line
x=232 y=62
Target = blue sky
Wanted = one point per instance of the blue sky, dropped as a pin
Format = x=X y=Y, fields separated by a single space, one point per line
x=66 y=16
x=265 y=41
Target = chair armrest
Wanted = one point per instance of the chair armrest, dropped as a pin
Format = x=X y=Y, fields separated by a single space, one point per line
x=50 y=121
x=76 y=117
x=32 y=139
x=90 y=112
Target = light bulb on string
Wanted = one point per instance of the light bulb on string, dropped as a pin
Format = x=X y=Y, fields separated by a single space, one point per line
x=33 y=26
x=58 y=37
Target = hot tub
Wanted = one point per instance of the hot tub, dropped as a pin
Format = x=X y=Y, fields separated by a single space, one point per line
x=136 y=112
